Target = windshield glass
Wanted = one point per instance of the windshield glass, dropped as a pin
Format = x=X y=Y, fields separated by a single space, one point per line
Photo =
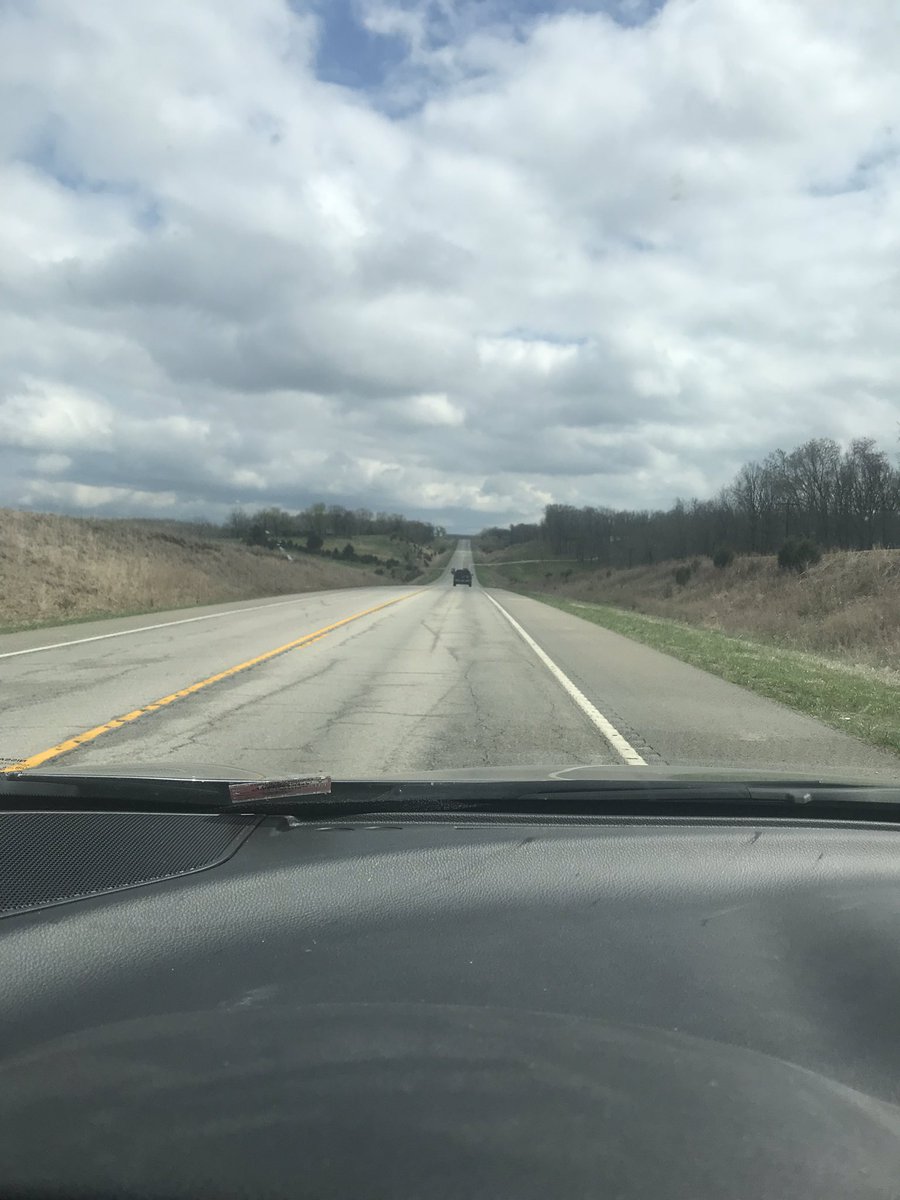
x=392 y=387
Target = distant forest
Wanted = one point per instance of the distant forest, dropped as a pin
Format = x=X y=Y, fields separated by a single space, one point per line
x=274 y=526
x=838 y=499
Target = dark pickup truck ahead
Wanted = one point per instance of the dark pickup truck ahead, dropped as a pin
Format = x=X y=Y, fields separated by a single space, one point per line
x=462 y=575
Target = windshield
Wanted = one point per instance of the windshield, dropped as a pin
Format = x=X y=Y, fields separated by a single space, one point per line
x=391 y=387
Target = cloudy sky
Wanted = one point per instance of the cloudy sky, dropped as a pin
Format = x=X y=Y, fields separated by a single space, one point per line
x=457 y=258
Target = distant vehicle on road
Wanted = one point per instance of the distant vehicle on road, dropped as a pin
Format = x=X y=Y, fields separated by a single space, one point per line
x=462 y=575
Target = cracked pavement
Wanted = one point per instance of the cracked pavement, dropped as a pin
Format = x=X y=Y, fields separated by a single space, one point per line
x=438 y=681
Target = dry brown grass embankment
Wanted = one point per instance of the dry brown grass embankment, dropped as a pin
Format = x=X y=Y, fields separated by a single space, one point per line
x=847 y=607
x=59 y=568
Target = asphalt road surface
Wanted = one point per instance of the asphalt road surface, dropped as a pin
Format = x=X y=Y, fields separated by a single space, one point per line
x=388 y=680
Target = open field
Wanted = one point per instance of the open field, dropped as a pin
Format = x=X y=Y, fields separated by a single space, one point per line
x=399 y=559
x=55 y=568
x=380 y=544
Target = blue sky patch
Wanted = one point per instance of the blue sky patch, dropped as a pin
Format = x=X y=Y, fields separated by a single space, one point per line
x=353 y=56
x=350 y=54
x=47 y=154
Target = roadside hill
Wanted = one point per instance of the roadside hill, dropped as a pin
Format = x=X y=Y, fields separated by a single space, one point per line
x=846 y=607
x=59 y=568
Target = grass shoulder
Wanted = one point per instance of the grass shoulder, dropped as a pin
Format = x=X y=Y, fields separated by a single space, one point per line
x=858 y=701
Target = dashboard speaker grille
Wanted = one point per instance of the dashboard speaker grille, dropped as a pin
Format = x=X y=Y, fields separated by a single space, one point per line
x=54 y=857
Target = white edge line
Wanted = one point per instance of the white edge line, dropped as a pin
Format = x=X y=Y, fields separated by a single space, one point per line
x=621 y=745
x=100 y=637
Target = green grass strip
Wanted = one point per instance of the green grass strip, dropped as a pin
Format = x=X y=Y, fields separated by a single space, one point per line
x=853 y=701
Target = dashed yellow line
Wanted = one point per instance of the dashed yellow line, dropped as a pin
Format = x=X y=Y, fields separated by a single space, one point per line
x=43 y=756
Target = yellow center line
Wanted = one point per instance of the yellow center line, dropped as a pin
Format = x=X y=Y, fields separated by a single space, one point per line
x=43 y=756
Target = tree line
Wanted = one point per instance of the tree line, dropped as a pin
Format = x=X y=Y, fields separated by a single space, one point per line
x=818 y=493
x=310 y=527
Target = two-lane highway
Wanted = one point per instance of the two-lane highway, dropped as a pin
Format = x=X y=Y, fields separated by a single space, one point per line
x=374 y=681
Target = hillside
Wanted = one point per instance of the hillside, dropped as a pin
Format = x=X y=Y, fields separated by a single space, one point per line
x=488 y=552
x=846 y=608
x=59 y=568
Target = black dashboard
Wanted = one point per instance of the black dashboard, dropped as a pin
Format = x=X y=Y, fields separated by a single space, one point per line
x=247 y=1006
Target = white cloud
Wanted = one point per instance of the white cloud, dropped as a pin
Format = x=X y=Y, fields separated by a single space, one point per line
x=535 y=356
x=52 y=464
x=131 y=501
x=52 y=419
x=592 y=262
x=433 y=409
